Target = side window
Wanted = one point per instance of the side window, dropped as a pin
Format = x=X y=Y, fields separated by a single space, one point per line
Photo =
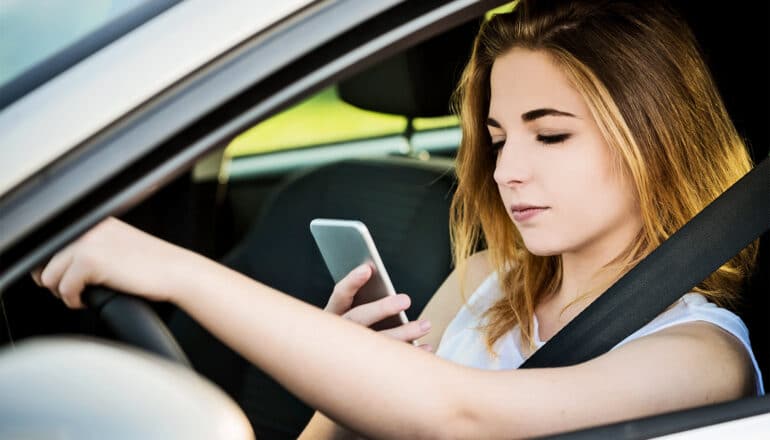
x=324 y=128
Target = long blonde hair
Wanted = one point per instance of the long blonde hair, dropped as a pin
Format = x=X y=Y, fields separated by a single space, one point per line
x=639 y=69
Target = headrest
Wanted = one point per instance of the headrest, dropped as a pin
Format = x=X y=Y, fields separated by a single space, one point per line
x=417 y=82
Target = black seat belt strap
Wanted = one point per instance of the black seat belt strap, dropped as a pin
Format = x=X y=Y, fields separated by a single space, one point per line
x=721 y=230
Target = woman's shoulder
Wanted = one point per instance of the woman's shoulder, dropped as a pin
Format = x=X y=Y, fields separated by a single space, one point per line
x=451 y=296
x=695 y=308
x=478 y=270
x=481 y=287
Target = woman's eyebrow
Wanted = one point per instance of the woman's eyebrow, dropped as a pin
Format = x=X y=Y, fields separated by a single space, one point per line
x=532 y=115
x=539 y=113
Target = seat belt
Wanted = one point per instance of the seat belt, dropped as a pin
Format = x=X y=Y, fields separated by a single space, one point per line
x=716 y=234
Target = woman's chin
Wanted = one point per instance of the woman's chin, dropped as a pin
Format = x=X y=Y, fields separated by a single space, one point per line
x=543 y=249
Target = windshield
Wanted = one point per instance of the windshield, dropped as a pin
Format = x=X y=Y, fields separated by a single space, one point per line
x=41 y=38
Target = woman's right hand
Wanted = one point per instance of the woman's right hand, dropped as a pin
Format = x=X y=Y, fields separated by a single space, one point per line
x=341 y=302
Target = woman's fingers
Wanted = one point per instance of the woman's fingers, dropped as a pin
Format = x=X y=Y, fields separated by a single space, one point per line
x=53 y=272
x=409 y=331
x=66 y=275
x=344 y=291
x=36 y=272
x=375 y=311
x=371 y=313
x=72 y=284
x=426 y=347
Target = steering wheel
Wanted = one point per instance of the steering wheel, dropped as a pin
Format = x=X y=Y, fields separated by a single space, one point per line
x=135 y=322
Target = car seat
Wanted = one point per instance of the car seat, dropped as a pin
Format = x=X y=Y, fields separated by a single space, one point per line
x=405 y=204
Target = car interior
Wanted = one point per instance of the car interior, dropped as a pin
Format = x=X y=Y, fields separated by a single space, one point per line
x=258 y=225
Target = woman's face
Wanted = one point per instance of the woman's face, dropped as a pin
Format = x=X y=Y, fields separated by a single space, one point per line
x=554 y=169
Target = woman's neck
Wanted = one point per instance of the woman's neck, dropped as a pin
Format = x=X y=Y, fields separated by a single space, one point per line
x=582 y=273
x=586 y=268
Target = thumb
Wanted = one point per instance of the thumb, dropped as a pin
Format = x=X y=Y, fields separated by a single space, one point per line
x=345 y=290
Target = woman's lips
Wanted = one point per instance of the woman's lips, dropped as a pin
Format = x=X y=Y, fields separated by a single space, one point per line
x=524 y=213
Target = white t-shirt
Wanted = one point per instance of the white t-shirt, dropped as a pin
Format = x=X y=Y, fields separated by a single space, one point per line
x=464 y=343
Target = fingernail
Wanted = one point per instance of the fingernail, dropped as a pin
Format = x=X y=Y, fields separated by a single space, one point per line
x=425 y=325
x=403 y=301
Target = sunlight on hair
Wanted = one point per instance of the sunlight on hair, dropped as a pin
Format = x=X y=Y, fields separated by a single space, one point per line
x=502 y=9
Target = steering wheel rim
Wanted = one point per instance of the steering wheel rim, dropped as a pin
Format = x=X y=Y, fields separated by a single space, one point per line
x=135 y=322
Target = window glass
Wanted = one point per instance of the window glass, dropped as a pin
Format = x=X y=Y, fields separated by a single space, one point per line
x=324 y=119
x=32 y=31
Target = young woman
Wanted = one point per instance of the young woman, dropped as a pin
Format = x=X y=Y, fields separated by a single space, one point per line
x=591 y=132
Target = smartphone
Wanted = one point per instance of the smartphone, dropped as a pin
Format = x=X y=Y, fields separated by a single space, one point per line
x=345 y=245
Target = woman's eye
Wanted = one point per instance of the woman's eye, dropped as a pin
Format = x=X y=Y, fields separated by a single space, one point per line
x=497 y=146
x=553 y=139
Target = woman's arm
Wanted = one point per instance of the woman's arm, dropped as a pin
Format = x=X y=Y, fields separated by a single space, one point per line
x=440 y=310
x=387 y=389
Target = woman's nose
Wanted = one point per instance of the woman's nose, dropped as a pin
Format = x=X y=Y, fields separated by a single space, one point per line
x=512 y=166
